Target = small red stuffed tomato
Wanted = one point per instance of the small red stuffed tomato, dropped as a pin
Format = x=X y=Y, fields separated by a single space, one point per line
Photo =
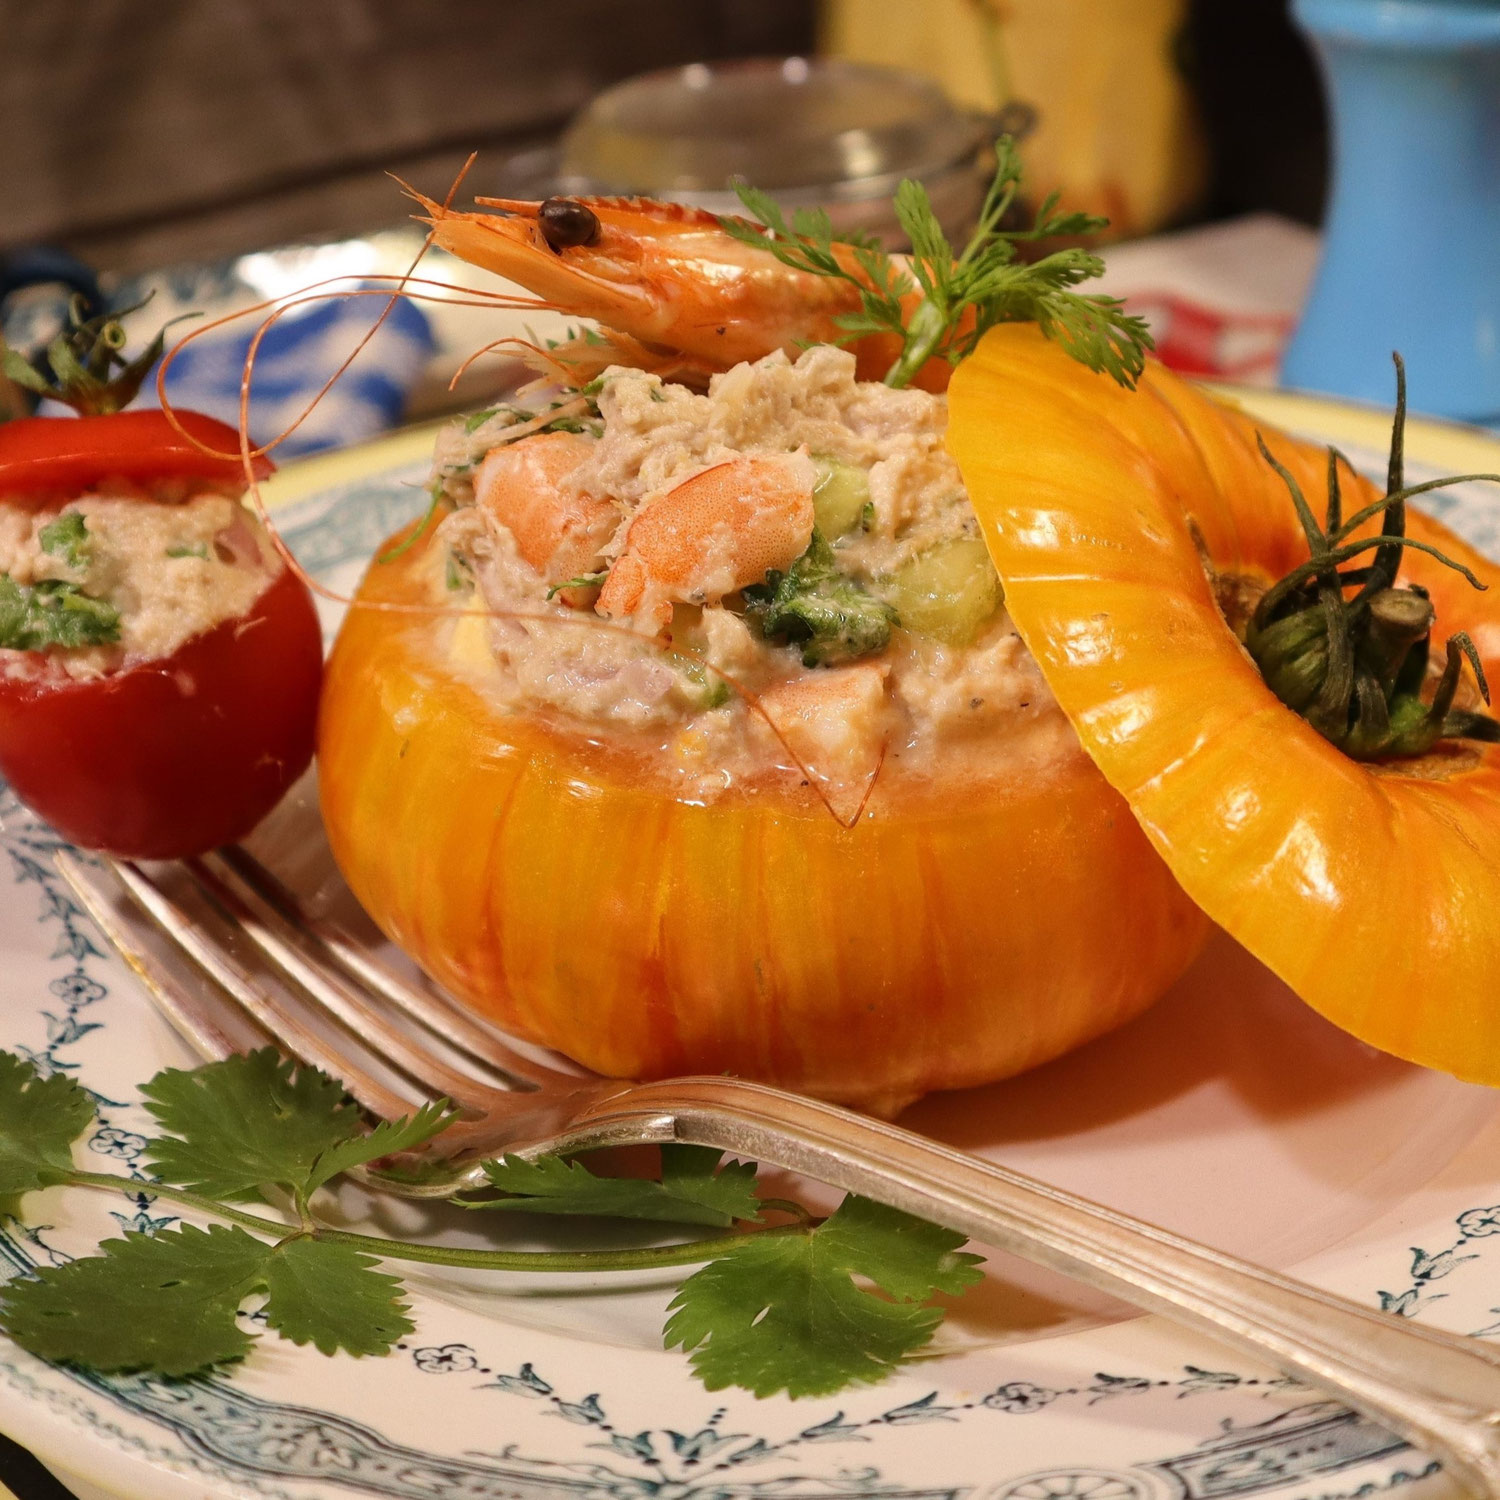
x=159 y=663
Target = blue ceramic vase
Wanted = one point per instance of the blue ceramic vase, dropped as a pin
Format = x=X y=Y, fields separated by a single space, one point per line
x=1411 y=256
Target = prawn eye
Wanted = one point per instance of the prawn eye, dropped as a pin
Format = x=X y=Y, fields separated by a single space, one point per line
x=566 y=222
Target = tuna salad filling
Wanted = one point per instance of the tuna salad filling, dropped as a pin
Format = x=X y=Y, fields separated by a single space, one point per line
x=112 y=579
x=786 y=569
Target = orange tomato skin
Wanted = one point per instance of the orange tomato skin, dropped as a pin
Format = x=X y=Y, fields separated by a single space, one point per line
x=941 y=942
x=1373 y=890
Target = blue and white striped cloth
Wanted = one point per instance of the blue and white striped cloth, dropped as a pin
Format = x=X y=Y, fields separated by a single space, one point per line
x=299 y=352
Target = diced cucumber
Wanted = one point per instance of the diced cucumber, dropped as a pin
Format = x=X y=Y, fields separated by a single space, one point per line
x=702 y=688
x=948 y=592
x=840 y=494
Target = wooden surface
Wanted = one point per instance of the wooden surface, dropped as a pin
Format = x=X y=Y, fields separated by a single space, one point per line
x=138 y=132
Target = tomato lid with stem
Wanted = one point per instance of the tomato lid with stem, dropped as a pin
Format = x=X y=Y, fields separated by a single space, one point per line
x=40 y=456
x=1342 y=821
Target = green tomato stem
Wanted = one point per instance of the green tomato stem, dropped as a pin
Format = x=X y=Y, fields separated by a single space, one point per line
x=648 y=1258
x=1355 y=667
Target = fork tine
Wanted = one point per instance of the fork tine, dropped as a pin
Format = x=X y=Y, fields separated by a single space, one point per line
x=274 y=1015
x=144 y=946
x=430 y=1010
x=279 y=942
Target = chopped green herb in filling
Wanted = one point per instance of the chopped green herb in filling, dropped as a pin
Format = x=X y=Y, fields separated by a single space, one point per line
x=68 y=538
x=474 y=423
x=198 y=550
x=583 y=581
x=824 y=610
x=460 y=574
x=53 y=612
x=574 y=424
x=704 y=689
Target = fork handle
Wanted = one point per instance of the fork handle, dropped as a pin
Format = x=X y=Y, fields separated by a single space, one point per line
x=1440 y=1391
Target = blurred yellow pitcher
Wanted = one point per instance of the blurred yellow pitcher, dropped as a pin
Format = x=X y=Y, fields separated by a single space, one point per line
x=1116 y=131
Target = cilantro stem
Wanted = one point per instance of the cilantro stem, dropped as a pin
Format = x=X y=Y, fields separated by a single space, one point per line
x=112 y=1183
x=788 y=1206
x=647 y=1258
x=410 y=540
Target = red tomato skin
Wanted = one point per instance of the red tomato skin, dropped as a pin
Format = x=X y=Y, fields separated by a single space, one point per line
x=173 y=757
x=41 y=457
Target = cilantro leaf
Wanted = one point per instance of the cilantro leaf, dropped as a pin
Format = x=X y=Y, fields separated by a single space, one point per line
x=695 y=1174
x=68 y=538
x=239 y=1125
x=783 y=1312
x=386 y=1139
x=690 y=1191
x=988 y=279
x=40 y=1118
x=907 y=1257
x=809 y=244
x=777 y=1309
x=53 y=612
x=825 y=610
x=169 y=1302
x=330 y=1296
x=165 y=1303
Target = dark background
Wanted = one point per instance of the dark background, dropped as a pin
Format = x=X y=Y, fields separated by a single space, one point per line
x=142 y=132
x=1261 y=105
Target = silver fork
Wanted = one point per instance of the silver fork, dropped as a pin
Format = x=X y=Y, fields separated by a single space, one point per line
x=322 y=993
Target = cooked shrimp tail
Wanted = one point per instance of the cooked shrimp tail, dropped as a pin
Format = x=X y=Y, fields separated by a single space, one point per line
x=725 y=527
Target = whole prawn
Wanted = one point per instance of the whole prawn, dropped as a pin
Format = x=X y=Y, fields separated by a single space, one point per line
x=674 y=292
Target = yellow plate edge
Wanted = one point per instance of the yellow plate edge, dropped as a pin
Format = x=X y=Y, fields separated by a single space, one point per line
x=1452 y=446
x=321 y=471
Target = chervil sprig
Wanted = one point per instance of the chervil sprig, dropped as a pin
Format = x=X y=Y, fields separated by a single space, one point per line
x=808 y=244
x=961 y=295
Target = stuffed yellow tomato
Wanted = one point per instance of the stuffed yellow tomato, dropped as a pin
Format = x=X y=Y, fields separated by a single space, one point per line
x=690 y=732
x=789 y=838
